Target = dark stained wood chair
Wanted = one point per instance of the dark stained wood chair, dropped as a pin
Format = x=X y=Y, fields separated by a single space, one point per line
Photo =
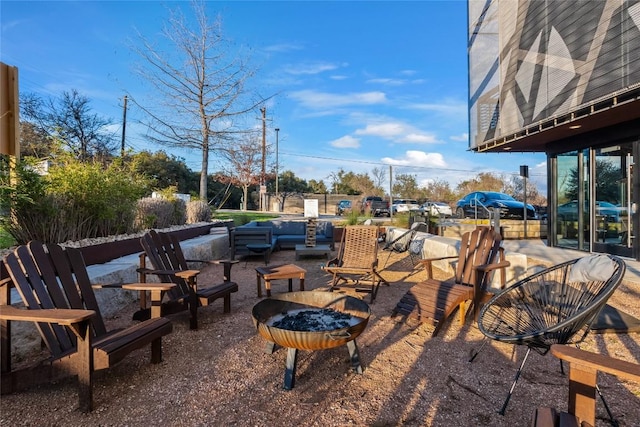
x=355 y=269
x=433 y=300
x=583 y=369
x=170 y=266
x=56 y=290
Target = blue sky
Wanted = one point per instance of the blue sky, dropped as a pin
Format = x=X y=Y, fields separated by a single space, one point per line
x=360 y=84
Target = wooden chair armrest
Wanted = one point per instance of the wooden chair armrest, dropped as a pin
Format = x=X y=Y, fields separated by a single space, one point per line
x=67 y=317
x=428 y=260
x=149 y=286
x=77 y=320
x=6 y=281
x=597 y=362
x=186 y=274
x=490 y=267
x=179 y=273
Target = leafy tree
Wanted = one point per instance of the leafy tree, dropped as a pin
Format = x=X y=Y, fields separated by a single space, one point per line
x=164 y=171
x=533 y=195
x=406 y=185
x=202 y=85
x=339 y=184
x=318 y=187
x=289 y=185
x=363 y=184
x=484 y=181
x=440 y=191
x=607 y=177
x=69 y=120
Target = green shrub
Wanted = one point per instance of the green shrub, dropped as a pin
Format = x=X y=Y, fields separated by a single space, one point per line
x=154 y=212
x=198 y=211
x=75 y=201
x=352 y=218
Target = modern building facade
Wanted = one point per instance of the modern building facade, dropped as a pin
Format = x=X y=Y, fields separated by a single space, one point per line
x=563 y=77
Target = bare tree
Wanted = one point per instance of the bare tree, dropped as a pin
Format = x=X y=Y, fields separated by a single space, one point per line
x=245 y=165
x=69 y=121
x=202 y=83
x=379 y=176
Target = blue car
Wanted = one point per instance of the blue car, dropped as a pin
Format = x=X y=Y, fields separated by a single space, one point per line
x=479 y=203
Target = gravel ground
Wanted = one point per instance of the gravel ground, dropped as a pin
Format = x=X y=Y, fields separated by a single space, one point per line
x=221 y=375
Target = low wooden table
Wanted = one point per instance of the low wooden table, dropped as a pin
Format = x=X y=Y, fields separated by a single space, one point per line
x=302 y=250
x=277 y=272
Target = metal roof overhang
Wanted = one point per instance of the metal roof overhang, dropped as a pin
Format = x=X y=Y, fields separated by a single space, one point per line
x=612 y=110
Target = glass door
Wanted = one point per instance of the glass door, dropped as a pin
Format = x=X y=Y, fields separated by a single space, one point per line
x=611 y=228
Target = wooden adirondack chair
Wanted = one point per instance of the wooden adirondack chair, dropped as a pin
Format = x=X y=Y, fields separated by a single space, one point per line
x=355 y=269
x=55 y=288
x=435 y=300
x=583 y=369
x=169 y=264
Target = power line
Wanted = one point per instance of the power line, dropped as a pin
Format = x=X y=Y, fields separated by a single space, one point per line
x=370 y=162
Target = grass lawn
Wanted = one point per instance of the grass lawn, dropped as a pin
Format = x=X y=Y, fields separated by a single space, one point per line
x=6 y=240
x=241 y=218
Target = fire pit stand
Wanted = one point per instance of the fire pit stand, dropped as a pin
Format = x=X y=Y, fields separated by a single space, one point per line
x=352 y=312
x=292 y=360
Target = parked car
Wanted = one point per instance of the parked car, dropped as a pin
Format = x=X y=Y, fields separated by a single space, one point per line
x=343 y=207
x=374 y=205
x=436 y=209
x=510 y=208
x=569 y=211
x=404 y=205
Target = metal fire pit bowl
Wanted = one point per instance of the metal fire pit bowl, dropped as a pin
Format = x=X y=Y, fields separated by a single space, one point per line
x=266 y=311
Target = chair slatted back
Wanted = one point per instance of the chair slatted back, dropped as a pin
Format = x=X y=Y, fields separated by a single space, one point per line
x=166 y=255
x=359 y=248
x=478 y=247
x=54 y=278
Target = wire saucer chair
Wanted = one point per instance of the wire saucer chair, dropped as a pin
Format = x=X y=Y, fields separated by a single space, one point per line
x=554 y=306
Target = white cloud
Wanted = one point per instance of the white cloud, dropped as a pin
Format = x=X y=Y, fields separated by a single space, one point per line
x=310 y=68
x=283 y=47
x=464 y=137
x=447 y=107
x=420 y=138
x=397 y=132
x=346 y=141
x=385 y=130
x=388 y=81
x=418 y=159
x=319 y=100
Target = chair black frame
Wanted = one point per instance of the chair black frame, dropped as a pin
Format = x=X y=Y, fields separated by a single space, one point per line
x=402 y=243
x=545 y=309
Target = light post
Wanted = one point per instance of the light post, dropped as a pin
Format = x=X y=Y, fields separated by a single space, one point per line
x=277 y=199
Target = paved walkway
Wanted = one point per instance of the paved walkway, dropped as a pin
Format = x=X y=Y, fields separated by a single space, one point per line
x=537 y=249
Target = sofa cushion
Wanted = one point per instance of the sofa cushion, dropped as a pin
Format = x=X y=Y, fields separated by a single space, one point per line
x=325 y=228
x=280 y=228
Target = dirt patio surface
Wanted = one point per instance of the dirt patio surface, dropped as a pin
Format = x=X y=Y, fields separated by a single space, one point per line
x=221 y=375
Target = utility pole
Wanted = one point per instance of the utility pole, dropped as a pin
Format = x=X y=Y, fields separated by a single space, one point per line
x=277 y=195
x=124 y=126
x=264 y=155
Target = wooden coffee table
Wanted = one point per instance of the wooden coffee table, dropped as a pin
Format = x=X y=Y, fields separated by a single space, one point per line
x=278 y=272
